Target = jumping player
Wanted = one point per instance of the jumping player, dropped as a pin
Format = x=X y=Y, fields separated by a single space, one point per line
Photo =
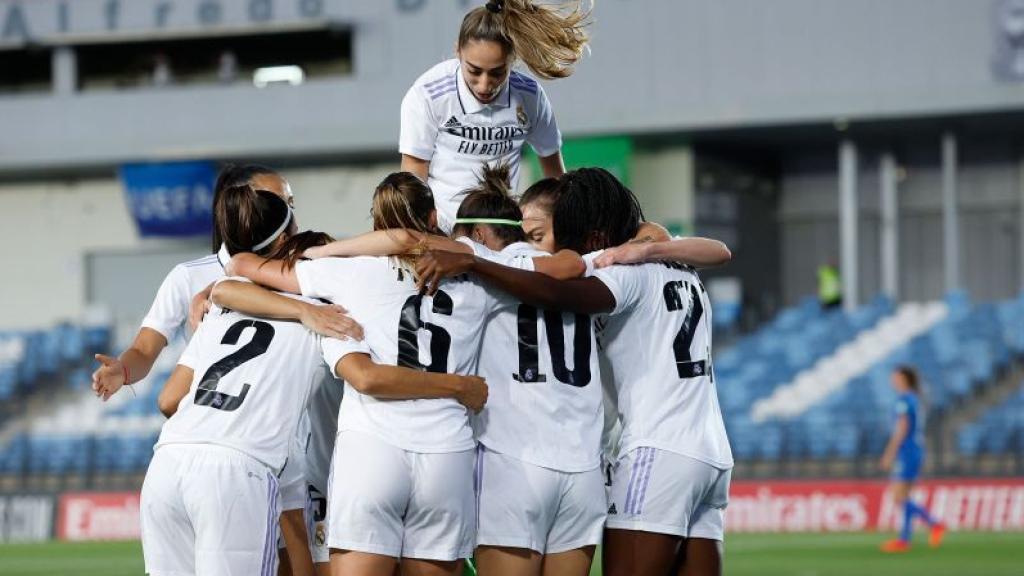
x=476 y=108
x=904 y=456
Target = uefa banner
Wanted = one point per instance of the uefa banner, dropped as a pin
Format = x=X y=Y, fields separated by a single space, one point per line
x=98 y=516
x=171 y=198
x=857 y=506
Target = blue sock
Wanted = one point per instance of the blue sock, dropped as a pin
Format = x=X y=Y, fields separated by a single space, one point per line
x=915 y=509
x=908 y=521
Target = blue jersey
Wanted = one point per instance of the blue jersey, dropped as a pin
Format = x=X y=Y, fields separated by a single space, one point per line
x=913 y=443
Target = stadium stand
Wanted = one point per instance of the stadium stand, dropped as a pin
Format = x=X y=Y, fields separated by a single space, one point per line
x=810 y=385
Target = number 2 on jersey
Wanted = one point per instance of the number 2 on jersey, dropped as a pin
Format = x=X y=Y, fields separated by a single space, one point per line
x=674 y=293
x=206 y=393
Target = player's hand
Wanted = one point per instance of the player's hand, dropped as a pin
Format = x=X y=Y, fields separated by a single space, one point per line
x=629 y=253
x=332 y=321
x=198 y=308
x=472 y=392
x=435 y=265
x=108 y=378
x=316 y=252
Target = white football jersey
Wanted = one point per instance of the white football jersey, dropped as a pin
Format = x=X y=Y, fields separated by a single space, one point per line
x=251 y=384
x=169 y=311
x=544 y=405
x=658 y=346
x=444 y=123
x=402 y=328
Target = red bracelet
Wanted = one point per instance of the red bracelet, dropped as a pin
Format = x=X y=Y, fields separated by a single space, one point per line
x=127 y=374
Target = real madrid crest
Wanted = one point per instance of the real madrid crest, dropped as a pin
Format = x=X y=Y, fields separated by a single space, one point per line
x=521 y=116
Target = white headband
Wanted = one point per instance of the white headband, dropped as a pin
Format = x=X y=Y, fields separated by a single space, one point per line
x=284 y=225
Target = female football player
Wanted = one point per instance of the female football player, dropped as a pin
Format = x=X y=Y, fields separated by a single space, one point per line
x=423 y=516
x=904 y=457
x=670 y=484
x=214 y=437
x=366 y=376
x=476 y=108
x=170 y=311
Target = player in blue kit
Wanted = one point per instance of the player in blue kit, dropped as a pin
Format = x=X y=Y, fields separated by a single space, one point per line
x=904 y=456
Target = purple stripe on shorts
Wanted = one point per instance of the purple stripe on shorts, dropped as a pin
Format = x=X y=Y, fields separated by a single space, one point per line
x=267 y=544
x=641 y=460
x=634 y=506
x=478 y=478
x=646 y=482
x=634 y=470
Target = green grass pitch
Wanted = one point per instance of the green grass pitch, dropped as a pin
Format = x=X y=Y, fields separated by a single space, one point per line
x=988 y=554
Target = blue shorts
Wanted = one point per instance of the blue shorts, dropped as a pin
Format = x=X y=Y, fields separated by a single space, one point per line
x=908 y=466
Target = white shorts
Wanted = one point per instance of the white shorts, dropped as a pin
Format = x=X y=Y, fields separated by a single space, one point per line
x=293 y=476
x=208 y=510
x=660 y=491
x=316 y=525
x=526 y=506
x=386 y=500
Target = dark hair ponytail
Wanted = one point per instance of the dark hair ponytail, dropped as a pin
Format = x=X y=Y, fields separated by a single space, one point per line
x=911 y=377
x=230 y=176
x=594 y=210
x=490 y=199
x=544 y=193
x=250 y=220
x=290 y=251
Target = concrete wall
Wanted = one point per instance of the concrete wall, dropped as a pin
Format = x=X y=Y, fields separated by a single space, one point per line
x=990 y=225
x=655 y=66
x=54 y=228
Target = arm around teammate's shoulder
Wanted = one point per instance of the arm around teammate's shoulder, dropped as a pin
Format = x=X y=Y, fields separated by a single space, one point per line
x=581 y=296
x=273 y=273
x=693 y=251
x=248 y=298
x=562 y=265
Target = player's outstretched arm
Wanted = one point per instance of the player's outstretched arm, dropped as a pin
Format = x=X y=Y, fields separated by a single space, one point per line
x=386 y=243
x=582 y=296
x=248 y=298
x=561 y=265
x=272 y=273
x=651 y=232
x=693 y=251
x=133 y=364
x=397 y=383
x=176 y=388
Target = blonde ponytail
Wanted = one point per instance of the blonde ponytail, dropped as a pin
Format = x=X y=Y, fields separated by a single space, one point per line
x=548 y=39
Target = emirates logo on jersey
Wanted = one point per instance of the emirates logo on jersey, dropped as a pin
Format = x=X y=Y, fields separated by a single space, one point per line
x=486 y=133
